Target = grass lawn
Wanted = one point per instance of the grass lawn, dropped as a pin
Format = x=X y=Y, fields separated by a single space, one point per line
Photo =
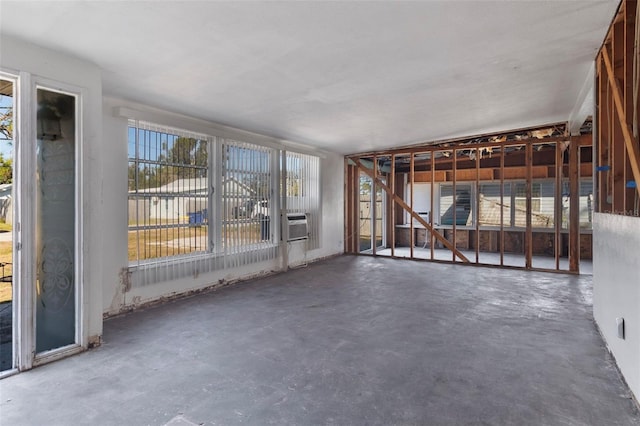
x=155 y=243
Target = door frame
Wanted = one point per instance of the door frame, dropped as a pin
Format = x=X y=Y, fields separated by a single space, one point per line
x=78 y=345
x=24 y=208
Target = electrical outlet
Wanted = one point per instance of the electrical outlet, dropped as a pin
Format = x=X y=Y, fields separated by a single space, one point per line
x=620 y=325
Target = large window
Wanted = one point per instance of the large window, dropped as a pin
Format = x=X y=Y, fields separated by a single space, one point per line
x=302 y=190
x=199 y=203
x=168 y=192
x=512 y=206
x=247 y=209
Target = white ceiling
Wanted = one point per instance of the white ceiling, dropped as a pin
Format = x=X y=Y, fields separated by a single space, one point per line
x=342 y=76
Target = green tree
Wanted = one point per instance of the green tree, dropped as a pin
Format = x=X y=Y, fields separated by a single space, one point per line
x=6 y=170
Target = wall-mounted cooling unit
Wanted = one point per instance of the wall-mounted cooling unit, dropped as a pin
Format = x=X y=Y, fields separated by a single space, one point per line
x=297 y=226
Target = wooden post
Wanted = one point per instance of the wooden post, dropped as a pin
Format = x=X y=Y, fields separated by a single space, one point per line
x=477 y=206
x=528 y=238
x=502 y=154
x=557 y=222
x=411 y=179
x=454 y=154
x=433 y=177
x=574 y=206
x=374 y=207
x=392 y=210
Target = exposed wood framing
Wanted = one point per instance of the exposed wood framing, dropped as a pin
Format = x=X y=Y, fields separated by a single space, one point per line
x=408 y=209
x=433 y=171
x=557 y=220
x=631 y=144
x=574 y=208
x=392 y=210
x=411 y=177
x=374 y=206
x=477 y=208
x=455 y=196
x=501 y=206
x=528 y=234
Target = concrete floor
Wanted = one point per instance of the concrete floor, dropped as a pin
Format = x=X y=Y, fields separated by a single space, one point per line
x=348 y=341
x=487 y=258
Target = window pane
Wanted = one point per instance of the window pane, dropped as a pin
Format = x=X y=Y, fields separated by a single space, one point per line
x=586 y=203
x=462 y=205
x=246 y=196
x=168 y=192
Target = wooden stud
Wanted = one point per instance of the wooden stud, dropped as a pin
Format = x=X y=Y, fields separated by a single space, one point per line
x=502 y=153
x=454 y=154
x=411 y=179
x=528 y=239
x=392 y=210
x=374 y=207
x=477 y=206
x=433 y=174
x=574 y=207
x=632 y=149
x=557 y=222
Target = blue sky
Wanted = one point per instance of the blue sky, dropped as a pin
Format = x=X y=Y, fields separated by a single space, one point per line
x=6 y=147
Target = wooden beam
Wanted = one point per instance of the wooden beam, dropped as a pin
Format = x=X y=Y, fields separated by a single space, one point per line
x=557 y=203
x=528 y=235
x=574 y=208
x=502 y=206
x=459 y=145
x=477 y=206
x=392 y=210
x=431 y=210
x=413 y=214
x=412 y=181
x=374 y=207
x=454 y=154
x=630 y=143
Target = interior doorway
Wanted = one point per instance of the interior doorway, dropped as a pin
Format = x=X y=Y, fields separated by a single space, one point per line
x=372 y=215
x=40 y=226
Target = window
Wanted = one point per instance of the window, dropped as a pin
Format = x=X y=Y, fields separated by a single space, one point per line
x=248 y=221
x=542 y=204
x=462 y=205
x=491 y=206
x=168 y=192
x=302 y=189
x=586 y=203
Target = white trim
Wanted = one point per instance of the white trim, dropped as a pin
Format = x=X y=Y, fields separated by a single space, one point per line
x=25 y=162
x=81 y=317
x=16 y=295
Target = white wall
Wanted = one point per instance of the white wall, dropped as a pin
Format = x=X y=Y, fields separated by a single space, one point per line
x=21 y=57
x=332 y=202
x=115 y=297
x=104 y=163
x=616 y=289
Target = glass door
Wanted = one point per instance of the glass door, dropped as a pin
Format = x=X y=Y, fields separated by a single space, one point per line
x=55 y=221
x=372 y=214
x=366 y=212
x=7 y=308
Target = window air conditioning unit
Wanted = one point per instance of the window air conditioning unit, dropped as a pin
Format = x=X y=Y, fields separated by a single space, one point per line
x=297 y=226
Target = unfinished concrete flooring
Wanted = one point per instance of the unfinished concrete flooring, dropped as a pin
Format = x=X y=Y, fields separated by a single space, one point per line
x=348 y=341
